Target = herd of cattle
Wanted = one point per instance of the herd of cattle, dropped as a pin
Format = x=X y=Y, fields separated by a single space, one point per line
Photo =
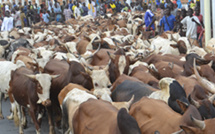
x=108 y=76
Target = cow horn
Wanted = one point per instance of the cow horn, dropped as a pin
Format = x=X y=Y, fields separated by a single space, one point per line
x=94 y=52
x=54 y=76
x=195 y=103
x=211 y=63
x=211 y=98
x=171 y=65
x=31 y=76
x=203 y=82
x=107 y=66
x=178 y=132
x=199 y=123
x=112 y=56
x=130 y=101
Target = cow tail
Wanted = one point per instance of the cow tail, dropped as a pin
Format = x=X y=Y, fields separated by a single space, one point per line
x=16 y=117
x=65 y=124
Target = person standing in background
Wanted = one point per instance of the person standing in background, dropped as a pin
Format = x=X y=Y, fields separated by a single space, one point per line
x=90 y=8
x=85 y=10
x=167 y=22
x=77 y=11
x=192 y=22
x=22 y=17
x=200 y=27
x=17 y=18
x=7 y=23
x=46 y=16
x=67 y=13
x=149 y=19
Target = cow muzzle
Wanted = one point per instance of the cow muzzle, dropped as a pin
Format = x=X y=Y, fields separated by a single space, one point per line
x=46 y=103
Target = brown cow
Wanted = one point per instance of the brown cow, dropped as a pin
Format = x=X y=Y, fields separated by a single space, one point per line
x=73 y=72
x=100 y=117
x=30 y=90
x=156 y=113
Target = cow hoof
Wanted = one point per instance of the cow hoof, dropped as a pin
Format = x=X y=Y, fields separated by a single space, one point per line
x=1 y=116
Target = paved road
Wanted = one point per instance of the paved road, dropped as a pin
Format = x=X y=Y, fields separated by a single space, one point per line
x=8 y=127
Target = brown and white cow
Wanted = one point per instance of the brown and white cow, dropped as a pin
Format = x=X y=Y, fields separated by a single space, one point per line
x=30 y=90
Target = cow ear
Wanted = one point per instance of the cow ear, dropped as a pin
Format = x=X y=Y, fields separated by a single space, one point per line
x=174 y=45
x=182 y=105
x=188 y=130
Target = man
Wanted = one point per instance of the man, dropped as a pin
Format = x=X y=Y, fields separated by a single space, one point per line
x=17 y=18
x=167 y=22
x=192 y=22
x=149 y=19
x=77 y=11
x=118 y=6
x=67 y=13
x=199 y=28
x=85 y=10
x=7 y=23
x=91 y=9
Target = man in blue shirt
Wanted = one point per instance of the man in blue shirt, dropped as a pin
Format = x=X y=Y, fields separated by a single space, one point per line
x=167 y=22
x=149 y=19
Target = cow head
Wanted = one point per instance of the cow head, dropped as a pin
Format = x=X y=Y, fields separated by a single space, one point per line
x=43 y=87
x=172 y=88
x=119 y=64
x=205 y=106
x=99 y=76
x=203 y=127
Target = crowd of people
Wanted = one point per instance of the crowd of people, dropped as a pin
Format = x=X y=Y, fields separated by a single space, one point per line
x=174 y=16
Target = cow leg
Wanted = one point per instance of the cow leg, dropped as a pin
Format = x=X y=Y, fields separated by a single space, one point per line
x=33 y=117
x=1 y=116
x=20 y=118
x=24 y=120
x=51 y=124
x=13 y=105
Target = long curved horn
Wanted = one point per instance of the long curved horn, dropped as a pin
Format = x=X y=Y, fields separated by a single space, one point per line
x=202 y=81
x=199 y=123
x=94 y=52
x=30 y=76
x=55 y=76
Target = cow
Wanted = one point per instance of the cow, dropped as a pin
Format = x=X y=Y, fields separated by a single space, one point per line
x=151 y=118
x=5 y=76
x=30 y=90
x=100 y=117
x=70 y=104
x=126 y=89
x=71 y=72
x=170 y=92
x=15 y=45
